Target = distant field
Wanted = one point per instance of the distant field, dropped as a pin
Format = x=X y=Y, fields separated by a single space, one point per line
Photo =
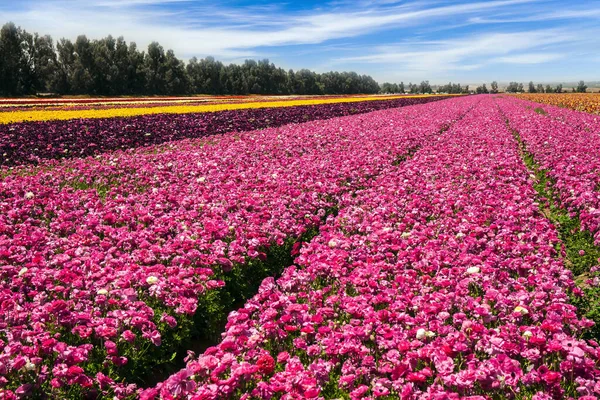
x=587 y=102
x=19 y=110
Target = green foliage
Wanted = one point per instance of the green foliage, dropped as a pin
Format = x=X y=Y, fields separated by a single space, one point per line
x=392 y=88
x=30 y=64
x=494 y=87
x=514 y=87
x=581 y=87
x=559 y=88
x=540 y=88
x=482 y=89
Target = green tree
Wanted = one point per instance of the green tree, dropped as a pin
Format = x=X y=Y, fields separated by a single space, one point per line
x=154 y=64
x=108 y=66
x=540 y=88
x=11 y=59
x=494 y=87
x=581 y=87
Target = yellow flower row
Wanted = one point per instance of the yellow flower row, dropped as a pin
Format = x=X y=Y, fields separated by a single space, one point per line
x=47 y=115
x=587 y=102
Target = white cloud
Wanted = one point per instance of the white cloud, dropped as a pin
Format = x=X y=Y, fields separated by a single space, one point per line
x=555 y=15
x=225 y=32
x=533 y=58
x=469 y=53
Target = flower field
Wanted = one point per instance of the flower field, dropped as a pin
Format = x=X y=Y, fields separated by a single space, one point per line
x=30 y=142
x=64 y=113
x=587 y=102
x=400 y=248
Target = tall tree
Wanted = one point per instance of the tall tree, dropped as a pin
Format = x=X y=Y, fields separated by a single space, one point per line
x=154 y=63
x=11 y=59
x=494 y=87
x=540 y=88
x=581 y=87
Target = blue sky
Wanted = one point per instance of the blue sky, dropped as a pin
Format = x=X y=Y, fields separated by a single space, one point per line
x=466 y=41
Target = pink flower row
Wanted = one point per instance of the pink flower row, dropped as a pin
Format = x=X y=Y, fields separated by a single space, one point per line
x=440 y=280
x=569 y=154
x=103 y=258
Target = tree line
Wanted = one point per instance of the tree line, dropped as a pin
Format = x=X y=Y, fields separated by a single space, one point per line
x=32 y=64
x=412 y=88
x=516 y=87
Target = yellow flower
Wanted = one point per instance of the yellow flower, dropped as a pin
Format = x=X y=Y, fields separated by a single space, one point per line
x=8 y=117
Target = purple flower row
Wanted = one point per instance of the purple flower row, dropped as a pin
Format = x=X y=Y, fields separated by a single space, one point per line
x=567 y=152
x=104 y=260
x=439 y=280
x=31 y=142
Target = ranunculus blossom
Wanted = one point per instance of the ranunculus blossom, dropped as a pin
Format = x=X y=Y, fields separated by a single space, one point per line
x=521 y=310
x=473 y=270
x=151 y=280
x=266 y=364
x=412 y=198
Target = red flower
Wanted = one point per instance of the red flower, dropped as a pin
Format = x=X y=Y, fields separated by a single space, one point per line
x=266 y=364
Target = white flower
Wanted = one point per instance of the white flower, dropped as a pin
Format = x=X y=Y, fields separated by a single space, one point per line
x=102 y=292
x=22 y=271
x=429 y=334
x=332 y=243
x=29 y=366
x=421 y=334
x=29 y=195
x=521 y=310
x=527 y=334
x=473 y=270
x=151 y=280
x=201 y=179
x=460 y=235
x=405 y=235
